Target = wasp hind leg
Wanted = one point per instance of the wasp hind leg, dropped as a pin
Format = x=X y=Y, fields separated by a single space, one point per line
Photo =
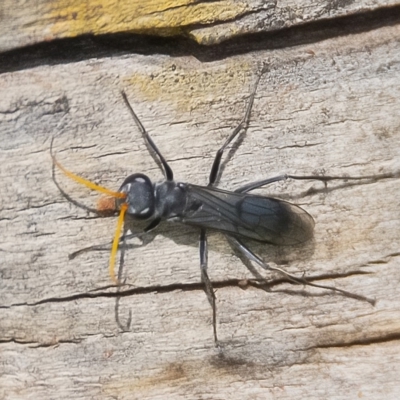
x=249 y=255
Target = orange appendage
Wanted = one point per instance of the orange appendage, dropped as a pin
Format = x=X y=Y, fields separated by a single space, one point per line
x=87 y=183
x=106 y=204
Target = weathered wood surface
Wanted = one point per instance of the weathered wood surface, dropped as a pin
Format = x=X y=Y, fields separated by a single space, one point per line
x=331 y=106
x=25 y=23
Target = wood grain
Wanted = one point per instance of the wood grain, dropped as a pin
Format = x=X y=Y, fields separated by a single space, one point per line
x=206 y=22
x=328 y=107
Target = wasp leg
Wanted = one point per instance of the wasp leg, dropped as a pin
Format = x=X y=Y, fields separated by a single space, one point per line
x=206 y=280
x=167 y=169
x=247 y=253
x=126 y=327
x=255 y=185
x=107 y=246
x=243 y=125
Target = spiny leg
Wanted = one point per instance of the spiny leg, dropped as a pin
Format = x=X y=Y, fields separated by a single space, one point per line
x=247 y=253
x=206 y=280
x=167 y=169
x=242 y=126
x=328 y=178
x=254 y=185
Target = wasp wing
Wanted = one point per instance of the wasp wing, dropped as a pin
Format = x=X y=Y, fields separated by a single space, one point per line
x=253 y=216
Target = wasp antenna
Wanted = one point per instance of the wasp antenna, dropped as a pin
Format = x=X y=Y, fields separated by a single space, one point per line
x=114 y=247
x=84 y=181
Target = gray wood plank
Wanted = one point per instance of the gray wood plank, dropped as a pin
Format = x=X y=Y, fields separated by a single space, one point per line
x=331 y=106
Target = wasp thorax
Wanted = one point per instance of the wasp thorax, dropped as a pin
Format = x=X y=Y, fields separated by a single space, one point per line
x=139 y=196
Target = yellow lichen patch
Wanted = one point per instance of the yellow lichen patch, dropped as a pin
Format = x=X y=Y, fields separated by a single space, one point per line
x=215 y=34
x=189 y=87
x=70 y=18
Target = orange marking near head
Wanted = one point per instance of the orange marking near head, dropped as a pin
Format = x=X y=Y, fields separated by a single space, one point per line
x=114 y=248
x=106 y=205
x=87 y=183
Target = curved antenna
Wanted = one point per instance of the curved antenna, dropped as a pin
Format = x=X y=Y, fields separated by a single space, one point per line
x=108 y=192
x=169 y=175
x=84 y=181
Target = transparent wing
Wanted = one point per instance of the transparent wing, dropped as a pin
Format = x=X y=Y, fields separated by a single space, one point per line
x=257 y=217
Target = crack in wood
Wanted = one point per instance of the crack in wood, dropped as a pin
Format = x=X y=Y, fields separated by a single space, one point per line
x=382 y=338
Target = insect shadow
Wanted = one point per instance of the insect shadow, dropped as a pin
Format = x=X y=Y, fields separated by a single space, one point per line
x=238 y=214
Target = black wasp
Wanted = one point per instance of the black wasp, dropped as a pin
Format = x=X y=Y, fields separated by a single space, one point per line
x=237 y=214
